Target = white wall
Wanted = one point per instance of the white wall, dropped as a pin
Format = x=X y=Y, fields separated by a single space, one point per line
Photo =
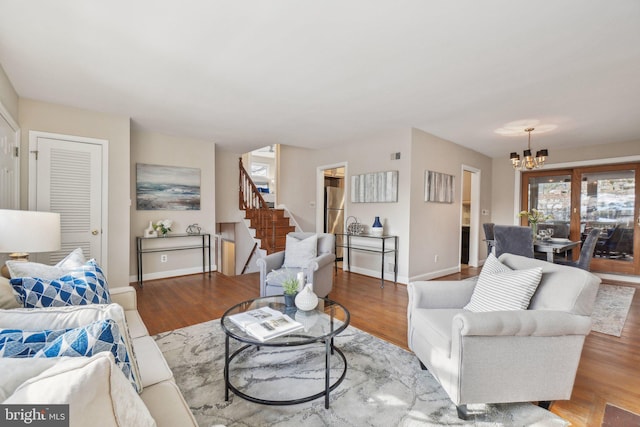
x=435 y=228
x=154 y=148
x=41 y=116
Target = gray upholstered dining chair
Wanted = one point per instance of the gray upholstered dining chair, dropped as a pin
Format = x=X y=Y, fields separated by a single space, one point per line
x=586 y=253
x=488 y=235
x=513 y=239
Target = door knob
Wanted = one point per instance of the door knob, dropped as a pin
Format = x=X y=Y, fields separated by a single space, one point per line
x=94 y=232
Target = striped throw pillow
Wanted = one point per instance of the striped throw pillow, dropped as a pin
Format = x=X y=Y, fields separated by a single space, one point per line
x=499 y=288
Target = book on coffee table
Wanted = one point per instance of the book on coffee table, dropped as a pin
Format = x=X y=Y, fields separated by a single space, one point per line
x=273 y=327
x=254 y=316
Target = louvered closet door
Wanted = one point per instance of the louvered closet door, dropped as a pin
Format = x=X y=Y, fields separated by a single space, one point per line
x=69 y=182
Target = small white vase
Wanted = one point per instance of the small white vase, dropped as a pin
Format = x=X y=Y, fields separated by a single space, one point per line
x=149 y=231
x=306 y=300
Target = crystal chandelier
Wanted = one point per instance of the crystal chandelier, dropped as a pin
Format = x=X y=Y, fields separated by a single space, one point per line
x=529 y=162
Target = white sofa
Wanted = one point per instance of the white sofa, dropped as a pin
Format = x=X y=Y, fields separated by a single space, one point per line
x=160 y=394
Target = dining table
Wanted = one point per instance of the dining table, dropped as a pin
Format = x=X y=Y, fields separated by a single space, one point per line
x=550 y=246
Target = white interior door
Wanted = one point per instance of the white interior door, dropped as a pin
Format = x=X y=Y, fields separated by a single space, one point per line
x=68 y=175
x=9 y=163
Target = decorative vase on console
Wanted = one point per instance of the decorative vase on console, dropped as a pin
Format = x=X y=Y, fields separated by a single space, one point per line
x=376 y=228
x=150 y=231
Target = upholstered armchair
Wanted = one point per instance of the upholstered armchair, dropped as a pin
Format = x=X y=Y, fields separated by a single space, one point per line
x=525 y=355
x=311 y=253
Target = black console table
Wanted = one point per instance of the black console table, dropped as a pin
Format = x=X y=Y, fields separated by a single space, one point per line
x=382 y=250
x=204 y=244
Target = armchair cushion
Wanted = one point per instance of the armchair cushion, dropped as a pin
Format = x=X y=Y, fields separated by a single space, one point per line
x=300 y=252
x=500 y=288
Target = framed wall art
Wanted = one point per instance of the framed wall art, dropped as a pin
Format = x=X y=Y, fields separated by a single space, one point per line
x=376 y=187
x=172 y=188
x=438 y=187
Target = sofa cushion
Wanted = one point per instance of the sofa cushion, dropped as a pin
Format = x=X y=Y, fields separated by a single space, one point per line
x=86 y=285
x=155 y=368
x=167 y=405
x=7 y=295
x=300 y=252
x=435 y=326
x=94 y=388
x=15 y=371
x=71 y=317
x=136 y=326
x=276 y=277
x=34 y=269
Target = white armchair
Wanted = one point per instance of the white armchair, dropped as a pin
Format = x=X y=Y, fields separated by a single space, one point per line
x=317 y=270
x=503 y=356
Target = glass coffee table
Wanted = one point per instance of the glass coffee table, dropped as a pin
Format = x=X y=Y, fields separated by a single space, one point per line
x=321 y=325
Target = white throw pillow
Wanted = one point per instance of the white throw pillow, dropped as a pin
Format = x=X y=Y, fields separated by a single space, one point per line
x=499 y=288
x=16 y=370
x=298 y=253
x=95 y=389
x=49 y=272
x=37 y=319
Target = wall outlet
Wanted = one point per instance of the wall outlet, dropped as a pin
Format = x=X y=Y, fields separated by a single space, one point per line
x=435 y=258
x=163 y=258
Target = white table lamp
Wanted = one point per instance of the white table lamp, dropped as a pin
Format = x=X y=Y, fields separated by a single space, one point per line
x=22 y=232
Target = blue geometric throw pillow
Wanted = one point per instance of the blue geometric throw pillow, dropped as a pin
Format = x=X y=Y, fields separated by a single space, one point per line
x=102 y=335
x=18 y=343
x=86 y=285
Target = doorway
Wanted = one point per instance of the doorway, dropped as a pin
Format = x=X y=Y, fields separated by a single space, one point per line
x=331 y=188
x=68 y=175
x=470 y=216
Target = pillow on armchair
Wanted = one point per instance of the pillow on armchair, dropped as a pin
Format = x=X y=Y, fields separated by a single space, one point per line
x=298 y=253
x=501 y=288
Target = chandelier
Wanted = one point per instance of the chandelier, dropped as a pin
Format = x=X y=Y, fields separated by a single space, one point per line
x=529 y=162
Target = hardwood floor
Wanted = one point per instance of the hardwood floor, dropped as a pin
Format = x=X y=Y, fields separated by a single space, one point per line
x=609 y=370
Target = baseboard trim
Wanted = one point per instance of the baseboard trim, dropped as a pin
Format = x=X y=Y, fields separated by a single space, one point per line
x=436 y=274
x=388 y=276
x=170 y=273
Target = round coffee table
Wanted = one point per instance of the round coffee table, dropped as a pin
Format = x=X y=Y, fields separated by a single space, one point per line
x=321 y=325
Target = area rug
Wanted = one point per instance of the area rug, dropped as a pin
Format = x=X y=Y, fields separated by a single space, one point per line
x=611 y=309
x=384 y=385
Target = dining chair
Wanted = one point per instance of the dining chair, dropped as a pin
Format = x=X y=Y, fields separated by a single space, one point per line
x=513 y=239
x=488 y=235
x=586 y=252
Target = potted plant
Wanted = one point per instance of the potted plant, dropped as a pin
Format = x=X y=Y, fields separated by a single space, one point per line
x=290 y=289
x=534 y=216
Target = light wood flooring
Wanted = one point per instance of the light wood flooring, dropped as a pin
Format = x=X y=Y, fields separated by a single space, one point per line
x=609 y=370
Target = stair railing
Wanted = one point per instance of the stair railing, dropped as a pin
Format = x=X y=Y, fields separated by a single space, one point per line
x=252 y=202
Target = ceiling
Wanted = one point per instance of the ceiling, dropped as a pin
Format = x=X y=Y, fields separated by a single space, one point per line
x=320 y=73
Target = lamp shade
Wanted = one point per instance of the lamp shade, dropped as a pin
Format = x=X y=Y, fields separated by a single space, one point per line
x=29 y=231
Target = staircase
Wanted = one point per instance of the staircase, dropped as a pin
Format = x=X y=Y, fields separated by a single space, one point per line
x=271 y=225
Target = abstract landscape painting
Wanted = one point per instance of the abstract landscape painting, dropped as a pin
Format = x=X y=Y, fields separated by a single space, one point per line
x=167 y=188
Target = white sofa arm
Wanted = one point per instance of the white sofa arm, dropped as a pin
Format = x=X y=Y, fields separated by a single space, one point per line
x=440 y=294
x=125 y=296
x=541 y=323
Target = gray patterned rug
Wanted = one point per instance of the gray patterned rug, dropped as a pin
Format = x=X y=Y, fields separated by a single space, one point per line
x=384 y=385
x=611 y=309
